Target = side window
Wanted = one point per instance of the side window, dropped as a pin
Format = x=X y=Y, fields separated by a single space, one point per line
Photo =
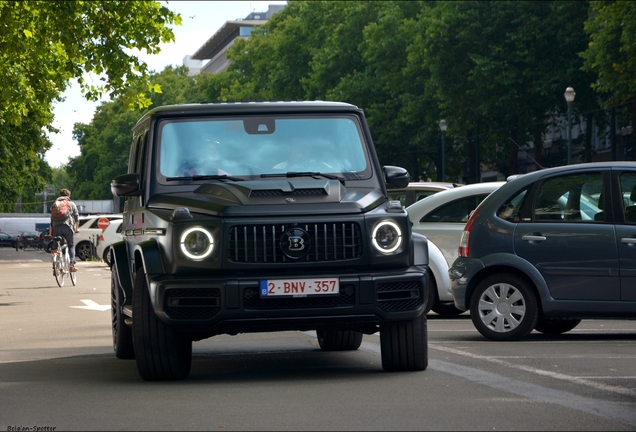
x=510 y=209
x=131 y=156
x=420 y=194
x=137 y=154
x=570 y=198
x=455 y=212
x=141 y=157
x=628 y=192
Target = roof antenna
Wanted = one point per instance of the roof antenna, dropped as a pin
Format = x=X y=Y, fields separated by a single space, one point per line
x=527 y=154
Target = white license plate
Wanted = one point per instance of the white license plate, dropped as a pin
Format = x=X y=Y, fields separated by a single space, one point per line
x=299 y=287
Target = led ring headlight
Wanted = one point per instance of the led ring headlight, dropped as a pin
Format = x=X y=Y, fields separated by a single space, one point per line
x=197 y=243
x=387 y=237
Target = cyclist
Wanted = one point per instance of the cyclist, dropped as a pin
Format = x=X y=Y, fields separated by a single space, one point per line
x=65 y=222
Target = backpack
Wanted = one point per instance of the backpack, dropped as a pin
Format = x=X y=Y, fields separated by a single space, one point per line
x=61 y=209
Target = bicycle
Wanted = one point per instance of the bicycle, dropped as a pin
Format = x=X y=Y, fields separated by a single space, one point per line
x=61 y=262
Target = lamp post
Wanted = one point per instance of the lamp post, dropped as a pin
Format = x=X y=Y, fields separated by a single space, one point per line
x=442 y=126
x=569 y=98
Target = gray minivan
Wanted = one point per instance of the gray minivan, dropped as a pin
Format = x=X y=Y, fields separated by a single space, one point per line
x=548 y=249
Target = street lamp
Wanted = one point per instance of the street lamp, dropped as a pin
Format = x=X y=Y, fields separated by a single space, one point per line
x=569 y=97
x=442 y=126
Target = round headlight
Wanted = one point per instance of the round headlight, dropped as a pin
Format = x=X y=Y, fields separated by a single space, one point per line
x=387 y=237
x=197 y=243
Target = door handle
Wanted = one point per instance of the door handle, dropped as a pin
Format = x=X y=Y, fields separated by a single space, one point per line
x=530 y=237
x=628 y=240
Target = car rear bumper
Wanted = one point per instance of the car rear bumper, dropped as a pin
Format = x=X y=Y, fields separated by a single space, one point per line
x=461 y=273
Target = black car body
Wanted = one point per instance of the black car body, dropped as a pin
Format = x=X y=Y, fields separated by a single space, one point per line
x=548 y=249
x=28 y=239
x=234 y=249
x=7 y=240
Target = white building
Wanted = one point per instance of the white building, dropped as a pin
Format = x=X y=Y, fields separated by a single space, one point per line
x=214 y=49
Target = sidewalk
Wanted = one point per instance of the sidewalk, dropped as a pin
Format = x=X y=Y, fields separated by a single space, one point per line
x=9 y=257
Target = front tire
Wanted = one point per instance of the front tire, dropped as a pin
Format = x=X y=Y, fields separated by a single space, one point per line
x=553 y=326
x=404 y=345
x=122 y=334
x=504 y=307
x=161 y=353
x=339 y=340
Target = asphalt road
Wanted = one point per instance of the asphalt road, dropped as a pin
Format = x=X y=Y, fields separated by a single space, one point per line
x=57 y=371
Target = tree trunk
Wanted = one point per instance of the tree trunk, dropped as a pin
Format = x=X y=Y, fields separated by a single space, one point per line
x=632 y=137
x=513 y=162
x=589 y=128
x=538 y=146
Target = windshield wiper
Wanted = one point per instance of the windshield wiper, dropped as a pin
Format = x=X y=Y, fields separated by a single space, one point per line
x=206 y=177
x=306 y=174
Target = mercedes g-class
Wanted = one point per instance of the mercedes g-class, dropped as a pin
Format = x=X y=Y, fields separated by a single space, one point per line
x=263 y=216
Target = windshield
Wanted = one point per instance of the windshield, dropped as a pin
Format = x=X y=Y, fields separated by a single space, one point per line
x=230 y=149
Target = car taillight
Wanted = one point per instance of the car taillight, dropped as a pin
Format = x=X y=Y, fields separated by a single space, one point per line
x=464 y=243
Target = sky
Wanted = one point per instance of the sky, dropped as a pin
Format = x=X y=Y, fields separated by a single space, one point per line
x=200 y=20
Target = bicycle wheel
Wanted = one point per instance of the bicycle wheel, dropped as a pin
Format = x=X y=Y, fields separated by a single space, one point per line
x=72 y=274
x=59 y=270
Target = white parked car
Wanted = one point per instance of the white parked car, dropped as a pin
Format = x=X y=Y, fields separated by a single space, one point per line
x=416 y=191
x=88 y=236
x=441 y=218
x=110 y=235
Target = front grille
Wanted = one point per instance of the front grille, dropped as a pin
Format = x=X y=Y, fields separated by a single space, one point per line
x=253 y=300
x=399 y=296
x=191 y=303
x=332 y=241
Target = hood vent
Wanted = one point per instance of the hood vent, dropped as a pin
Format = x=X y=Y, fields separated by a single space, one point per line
x=296 y=192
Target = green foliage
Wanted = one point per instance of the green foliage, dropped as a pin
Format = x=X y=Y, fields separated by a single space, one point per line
x=43 y=45
x=611 y=52
x=105 y=142
x=496 y=71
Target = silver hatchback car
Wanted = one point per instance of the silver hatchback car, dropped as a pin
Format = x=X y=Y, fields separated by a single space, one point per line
x=548 y=249
x=441 y=218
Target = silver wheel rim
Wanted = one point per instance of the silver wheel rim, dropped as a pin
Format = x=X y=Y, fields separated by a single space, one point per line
x=502 y=308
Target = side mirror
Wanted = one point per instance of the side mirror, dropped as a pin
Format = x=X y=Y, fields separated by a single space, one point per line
x=396 y=177
x=125 y=185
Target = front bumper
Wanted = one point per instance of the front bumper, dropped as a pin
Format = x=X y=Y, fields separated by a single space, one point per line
x=234 y=305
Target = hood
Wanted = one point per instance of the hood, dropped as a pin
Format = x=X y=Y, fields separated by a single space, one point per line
x=271 y=198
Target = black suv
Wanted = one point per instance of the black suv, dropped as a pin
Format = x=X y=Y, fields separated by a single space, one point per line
x=257 y=217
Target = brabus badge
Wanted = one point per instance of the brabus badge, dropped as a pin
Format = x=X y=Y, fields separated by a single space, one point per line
x=295 y=243
x=290 y=199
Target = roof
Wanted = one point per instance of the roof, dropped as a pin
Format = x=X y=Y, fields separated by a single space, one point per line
x=248 y=107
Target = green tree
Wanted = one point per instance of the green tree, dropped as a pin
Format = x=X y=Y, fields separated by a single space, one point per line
x=498 y=67
x=105 y=142
x=611 y=53
x=44 y=44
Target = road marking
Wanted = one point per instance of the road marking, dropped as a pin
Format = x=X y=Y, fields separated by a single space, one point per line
x=555 y=375
x=615 y=411
x=91 y=305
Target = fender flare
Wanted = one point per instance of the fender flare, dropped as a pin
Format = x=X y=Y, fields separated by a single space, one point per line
x=121 y=268
x=521 y=266
x=420 y=249
x=148 y=256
